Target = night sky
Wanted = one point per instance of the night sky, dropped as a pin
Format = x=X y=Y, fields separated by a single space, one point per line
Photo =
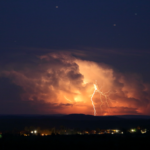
x=54 y=54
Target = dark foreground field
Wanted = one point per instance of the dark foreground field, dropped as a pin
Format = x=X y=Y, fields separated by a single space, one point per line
x=75 y=142
x=9 y=123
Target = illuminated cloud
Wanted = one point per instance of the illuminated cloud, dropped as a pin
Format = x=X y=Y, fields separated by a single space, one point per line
x=61 y=83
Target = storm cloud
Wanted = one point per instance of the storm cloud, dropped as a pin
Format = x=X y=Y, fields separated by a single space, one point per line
x=63 y=83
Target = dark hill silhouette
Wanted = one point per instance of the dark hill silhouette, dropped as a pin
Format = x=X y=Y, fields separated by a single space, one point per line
x=88 y=117
x=19 y=122
x=134 y=116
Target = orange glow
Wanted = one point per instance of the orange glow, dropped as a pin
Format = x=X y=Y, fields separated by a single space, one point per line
x=63 y=84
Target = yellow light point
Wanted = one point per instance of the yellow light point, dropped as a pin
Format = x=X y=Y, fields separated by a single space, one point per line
x=78 y=99
x=105 y=95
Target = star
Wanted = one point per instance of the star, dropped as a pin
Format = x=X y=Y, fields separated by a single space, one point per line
x=56 y=6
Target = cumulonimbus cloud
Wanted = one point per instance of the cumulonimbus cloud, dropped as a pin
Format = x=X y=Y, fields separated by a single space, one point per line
x=61 y=83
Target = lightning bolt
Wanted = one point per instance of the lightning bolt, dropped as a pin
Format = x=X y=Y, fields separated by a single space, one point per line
x=105 y=95
x=92 y=101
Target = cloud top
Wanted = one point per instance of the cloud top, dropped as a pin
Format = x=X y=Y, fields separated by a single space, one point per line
x=60 y=83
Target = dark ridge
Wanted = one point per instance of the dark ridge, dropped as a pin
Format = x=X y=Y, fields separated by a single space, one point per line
x=19 y=122
x=88 y=117
x=134 y=116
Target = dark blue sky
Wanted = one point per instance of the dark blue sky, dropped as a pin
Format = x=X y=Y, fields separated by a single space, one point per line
x=75 y=23
x=80 y=24
x=113 y=32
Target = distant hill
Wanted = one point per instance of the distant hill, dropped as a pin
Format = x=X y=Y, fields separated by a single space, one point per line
x=90 y=117
x=19 y=122
x=134 y=117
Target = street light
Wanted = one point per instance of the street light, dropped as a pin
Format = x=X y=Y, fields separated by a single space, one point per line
x=35 y=131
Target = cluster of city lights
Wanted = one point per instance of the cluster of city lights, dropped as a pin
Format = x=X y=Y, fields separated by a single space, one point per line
x=34 y=132
x=106 y=131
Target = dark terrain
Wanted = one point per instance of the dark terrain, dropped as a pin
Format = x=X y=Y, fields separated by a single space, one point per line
x=105 y=141
x=75 y=142
x=81 y=121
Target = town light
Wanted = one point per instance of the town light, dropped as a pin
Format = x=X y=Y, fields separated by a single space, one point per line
x=143 y=131
x=35 y=131
x=117 y=131
x=112 y=132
